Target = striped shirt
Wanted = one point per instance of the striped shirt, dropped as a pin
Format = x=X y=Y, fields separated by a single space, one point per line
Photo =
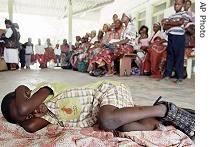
x=179 y=30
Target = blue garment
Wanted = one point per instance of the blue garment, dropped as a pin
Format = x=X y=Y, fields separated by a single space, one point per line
x=175 y=55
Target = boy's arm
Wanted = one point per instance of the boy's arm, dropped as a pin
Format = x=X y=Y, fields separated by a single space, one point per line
x=172 y=23
x=24 y=105
x=34 y=124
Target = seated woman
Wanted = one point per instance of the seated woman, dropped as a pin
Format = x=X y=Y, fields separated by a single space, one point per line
x=105 y=57
x=80 y=54
x=49 y=54
x=107 y=103
x=141 y=46
x=156 y=55
x=65 y=54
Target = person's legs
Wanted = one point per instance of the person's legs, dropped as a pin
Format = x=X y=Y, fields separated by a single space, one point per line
x=147 y=124
x=27 y=61
x=179 y=55
x=170 y=56
x=111 y=118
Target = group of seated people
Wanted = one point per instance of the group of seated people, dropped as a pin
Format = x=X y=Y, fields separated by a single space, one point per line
x=99 y=53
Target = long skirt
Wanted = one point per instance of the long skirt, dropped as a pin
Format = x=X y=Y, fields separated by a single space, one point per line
x=109 y=56
x=11 y=55
x=156 y=57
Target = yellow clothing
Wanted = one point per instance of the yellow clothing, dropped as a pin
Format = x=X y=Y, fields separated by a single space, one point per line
x=79 y=106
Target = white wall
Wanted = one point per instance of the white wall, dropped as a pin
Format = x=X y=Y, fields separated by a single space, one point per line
x=118 y=7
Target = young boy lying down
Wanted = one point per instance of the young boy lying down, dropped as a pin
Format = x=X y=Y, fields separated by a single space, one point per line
x=107 y=103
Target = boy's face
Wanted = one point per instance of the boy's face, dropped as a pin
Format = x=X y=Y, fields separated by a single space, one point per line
x=38 y=112
x=178 y=5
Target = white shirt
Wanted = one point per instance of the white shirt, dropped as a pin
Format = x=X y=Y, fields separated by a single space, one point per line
x=29 y=50
x=130 y=33
x=94 y=40
x=158 y=34
x=8 y=33
x=39 y=49
x=57 y=51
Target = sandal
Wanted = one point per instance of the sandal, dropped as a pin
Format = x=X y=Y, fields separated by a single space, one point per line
x=181 y=118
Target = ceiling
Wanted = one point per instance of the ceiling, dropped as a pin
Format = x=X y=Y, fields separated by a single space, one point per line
x=57 y=8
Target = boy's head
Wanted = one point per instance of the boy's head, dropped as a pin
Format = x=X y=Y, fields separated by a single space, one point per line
x=178 y=5
x=6 y=107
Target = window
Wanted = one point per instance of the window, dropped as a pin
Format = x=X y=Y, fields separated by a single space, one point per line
x=157 y=18
x=171 y=3
x=141 y=18
x=159 y=7
x=142 y=15
x=158 y=12
x=140 y=23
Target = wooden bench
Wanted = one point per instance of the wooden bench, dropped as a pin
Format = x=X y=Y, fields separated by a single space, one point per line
x=125 y=64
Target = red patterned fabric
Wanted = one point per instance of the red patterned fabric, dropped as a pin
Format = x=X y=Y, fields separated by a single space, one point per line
x=54 y=136
x=122 y=50
x=64 y=48
x=154 y=58
x=157 y=55
x=49 y=54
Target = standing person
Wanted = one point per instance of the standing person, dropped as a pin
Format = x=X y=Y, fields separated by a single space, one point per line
x=176 y=41
x=49 y=53
x=57 y=52
x=65 y=53
x=11 y=38
x=28 y=52
x=22 y=55
x=187 y=6
x=39 y=51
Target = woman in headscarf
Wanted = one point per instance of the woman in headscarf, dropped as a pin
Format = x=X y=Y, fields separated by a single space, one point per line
x=106 y=56
x=49 y=54
x=125 y=43
x=156 y=55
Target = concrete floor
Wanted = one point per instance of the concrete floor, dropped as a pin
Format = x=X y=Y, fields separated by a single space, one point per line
x=144 y=89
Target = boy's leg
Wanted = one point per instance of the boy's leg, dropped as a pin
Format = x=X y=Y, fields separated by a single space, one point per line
x=111 y=118
x=147 y=124
x=179 y=55
x=170 y=56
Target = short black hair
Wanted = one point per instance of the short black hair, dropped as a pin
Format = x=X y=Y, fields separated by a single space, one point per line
x=5 y=107
x=7 y=21
x=142 y=27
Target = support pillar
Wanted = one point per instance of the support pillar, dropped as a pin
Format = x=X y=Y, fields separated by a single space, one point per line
x=70 y=12
x=10 y=9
